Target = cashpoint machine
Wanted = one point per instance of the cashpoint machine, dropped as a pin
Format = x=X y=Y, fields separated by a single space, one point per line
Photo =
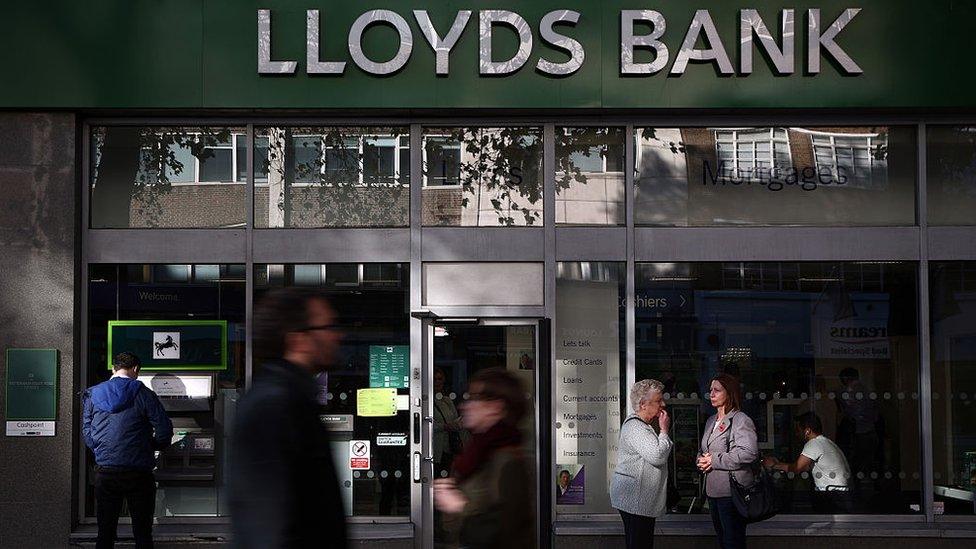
x=181 y=361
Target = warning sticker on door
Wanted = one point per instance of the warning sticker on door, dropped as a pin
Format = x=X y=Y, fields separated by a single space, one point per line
x=359 y=454
x=391 y=439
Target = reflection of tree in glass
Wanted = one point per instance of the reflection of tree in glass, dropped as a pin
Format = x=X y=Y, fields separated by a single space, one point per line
x=574 y=146
x=134 y=164
x=500 y=165
x=336 y=176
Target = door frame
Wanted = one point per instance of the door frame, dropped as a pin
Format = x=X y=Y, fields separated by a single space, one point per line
x=422 y=412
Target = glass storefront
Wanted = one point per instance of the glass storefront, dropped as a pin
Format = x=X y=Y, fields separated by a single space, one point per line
x=821 y=318
x=145 y=309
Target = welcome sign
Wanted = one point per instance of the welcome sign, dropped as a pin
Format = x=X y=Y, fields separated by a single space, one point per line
x=639 y=30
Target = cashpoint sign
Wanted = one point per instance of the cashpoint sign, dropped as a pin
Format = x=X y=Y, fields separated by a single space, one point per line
x=32 y=392
x=170 y=344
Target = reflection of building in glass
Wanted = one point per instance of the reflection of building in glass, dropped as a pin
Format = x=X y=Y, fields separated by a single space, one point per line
x=773 y=175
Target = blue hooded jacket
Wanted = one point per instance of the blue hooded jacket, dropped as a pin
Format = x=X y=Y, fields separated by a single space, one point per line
x=123 y=423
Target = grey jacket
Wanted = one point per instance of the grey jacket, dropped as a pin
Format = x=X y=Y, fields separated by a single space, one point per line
x=639 y=484
x=733 y=448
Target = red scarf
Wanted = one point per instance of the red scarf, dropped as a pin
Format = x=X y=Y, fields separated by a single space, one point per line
x=482 y=446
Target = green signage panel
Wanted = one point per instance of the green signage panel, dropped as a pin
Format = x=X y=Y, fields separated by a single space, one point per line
x=32 y=384
x=389 y=366
x=171 y=344
x=546 y=54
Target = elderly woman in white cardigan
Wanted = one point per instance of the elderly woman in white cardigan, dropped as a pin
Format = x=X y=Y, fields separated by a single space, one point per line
x=638 y=489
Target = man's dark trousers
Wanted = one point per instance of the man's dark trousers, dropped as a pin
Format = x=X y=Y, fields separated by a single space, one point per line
x=138 y=489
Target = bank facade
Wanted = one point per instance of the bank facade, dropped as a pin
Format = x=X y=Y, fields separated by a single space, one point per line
x=586 y=194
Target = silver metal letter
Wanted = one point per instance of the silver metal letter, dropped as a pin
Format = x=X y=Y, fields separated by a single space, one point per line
x=265 y=64
x=815 y=40
x=628 y=42
x=356 y=41
x=487 y=19
x=312 y=48
x=442 y=46
x=750 y=22
x=714 y=52
x=569 y=45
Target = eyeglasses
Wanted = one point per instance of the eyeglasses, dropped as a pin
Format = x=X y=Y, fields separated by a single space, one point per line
x=320 y=327
x=481 y=397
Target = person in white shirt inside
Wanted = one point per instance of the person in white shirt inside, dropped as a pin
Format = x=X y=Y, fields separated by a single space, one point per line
x=825 y=462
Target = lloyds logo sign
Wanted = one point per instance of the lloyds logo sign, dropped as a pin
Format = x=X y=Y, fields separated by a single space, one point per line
x=640 y=30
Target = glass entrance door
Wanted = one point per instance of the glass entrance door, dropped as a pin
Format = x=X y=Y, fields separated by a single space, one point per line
x=455 y=352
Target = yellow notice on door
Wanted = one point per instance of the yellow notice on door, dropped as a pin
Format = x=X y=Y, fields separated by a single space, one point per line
x=376 y=402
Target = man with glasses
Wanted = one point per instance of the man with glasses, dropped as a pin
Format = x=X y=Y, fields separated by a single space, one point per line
x=284 y=489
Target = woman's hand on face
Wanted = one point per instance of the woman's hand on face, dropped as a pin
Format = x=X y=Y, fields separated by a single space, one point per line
x=447 y=497
x=664 y=421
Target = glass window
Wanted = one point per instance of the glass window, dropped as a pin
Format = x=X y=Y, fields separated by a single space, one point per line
x=952 y=306
x=160 y=304
x=375 y=318
x=331 y=177
x=590 y=349
x=775 y=176
x=951 y=175
x=167 y=177
x=590 y=176
x=482 y=177
x=838 y=340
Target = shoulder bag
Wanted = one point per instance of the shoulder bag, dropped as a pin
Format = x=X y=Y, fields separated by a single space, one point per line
x=758 y=501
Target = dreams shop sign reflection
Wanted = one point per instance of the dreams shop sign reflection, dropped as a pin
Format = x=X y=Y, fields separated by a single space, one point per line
x=640 y=31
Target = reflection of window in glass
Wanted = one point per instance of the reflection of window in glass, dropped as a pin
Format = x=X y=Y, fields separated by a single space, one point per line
x=374 y=319
x=757 y=153
x=775 y=176
x=167 y=177
x=590 y=390
x=216 y=163
x=589 y=176
x=240 y=159
x=838 y=340
x=442 y=161
x=855 y=156
x=482 y=176
x=332 y=177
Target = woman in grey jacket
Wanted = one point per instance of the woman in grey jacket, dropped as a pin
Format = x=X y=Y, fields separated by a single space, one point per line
x=638 y=489
x=728 y=447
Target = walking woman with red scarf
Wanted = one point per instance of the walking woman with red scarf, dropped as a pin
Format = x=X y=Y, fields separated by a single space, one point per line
x=489 y=492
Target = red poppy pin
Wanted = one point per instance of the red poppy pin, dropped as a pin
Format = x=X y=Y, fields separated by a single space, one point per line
x=721 y=427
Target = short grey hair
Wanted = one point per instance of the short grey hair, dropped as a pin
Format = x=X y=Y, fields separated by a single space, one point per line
x=642 y=390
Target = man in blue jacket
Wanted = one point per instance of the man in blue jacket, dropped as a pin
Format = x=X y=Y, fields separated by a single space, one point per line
x=123 y=423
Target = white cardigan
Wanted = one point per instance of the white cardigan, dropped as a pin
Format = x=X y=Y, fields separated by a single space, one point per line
x=639 y=485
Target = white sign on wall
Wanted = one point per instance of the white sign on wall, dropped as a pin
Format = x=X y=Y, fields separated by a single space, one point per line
x=166 y=345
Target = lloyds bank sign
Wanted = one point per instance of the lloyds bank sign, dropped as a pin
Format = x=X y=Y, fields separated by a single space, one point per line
x=560 y=52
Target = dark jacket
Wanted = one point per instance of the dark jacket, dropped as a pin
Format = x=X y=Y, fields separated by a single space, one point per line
x=283 y=486
x=500 y=510
x=123 y=422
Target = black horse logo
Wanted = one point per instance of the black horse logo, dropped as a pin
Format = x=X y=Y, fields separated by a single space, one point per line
x=168 y=344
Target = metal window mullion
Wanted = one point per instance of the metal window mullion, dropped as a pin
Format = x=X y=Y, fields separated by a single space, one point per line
x=420 y=504
x=630 y=318
x=547 y=516
x=925 y=363
x=249 y=259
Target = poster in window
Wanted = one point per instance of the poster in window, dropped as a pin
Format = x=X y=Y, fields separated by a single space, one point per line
x=570 y=484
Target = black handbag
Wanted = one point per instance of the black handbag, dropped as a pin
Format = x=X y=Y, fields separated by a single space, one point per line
x=758 y=501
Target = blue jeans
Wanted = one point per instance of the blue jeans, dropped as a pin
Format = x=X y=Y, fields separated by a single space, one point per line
x=729 y=524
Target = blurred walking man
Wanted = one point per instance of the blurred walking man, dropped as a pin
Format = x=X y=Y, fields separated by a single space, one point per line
x=123 y=423
x=284 y=490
